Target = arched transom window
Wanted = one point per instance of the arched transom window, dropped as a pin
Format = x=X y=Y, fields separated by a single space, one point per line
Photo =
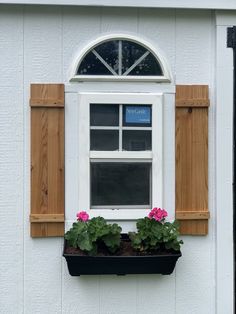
x=120 y=58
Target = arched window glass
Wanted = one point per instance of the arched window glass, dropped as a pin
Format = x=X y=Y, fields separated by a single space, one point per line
x=119 y=58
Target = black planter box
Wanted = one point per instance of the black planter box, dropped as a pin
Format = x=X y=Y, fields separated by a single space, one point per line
x=120 y=265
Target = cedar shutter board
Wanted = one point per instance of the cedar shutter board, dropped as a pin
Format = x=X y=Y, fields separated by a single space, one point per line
x=47 y=160
x=192 y=102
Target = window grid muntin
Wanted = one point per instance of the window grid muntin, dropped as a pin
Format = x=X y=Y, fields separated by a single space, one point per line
x=121 y=128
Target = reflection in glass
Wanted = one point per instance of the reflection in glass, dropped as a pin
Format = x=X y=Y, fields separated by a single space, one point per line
x=148 y=66
x=104 y=140
x=131 y=52
x=137 y=140
x=115 y=183
x=104 y=115
x=109 y=52
x=91 y=65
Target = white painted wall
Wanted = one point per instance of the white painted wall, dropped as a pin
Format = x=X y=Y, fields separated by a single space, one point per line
x=39 y=44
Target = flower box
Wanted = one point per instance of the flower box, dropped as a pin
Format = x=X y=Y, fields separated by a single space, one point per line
x=95 y=247
x=80 y=264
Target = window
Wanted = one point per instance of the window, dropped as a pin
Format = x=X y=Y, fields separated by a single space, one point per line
x=119 y=58
x=119 y=153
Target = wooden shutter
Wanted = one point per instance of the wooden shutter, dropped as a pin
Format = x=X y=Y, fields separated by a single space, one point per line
x=192 y=104
x=47 y=160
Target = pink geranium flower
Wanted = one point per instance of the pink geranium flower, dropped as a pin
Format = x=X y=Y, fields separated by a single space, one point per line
x=158 y=214
x=82 y=216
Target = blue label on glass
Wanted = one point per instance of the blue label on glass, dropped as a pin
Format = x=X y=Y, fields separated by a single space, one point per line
x=137 y=114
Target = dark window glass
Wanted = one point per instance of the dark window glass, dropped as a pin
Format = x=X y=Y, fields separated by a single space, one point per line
x=91 y=65
x=104 y=140
x=117 y=184
x=149 y=66
x=109 y=52
x=131 y=52
x=137 y=140
x=137 y=115
x=104 y=115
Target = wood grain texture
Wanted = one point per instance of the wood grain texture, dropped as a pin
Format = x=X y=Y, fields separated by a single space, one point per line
x=47 y=218
x=47 y=160
x=192 y=159
x=192 y=96
x=47 y=95
x=188 y=215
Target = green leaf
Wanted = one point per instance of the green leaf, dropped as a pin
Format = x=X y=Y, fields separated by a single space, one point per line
x=152 y=234
x=84 y=242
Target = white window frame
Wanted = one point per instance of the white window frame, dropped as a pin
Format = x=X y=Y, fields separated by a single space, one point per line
x=84 y=155
x=166 y=77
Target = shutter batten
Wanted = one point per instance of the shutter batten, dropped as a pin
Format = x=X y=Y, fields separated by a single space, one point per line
x=191 y=197
x=47 y=160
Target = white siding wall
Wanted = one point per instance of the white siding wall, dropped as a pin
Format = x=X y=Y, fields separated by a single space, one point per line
x=39 y=44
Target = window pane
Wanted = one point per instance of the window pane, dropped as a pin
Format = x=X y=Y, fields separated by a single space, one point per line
x=104 y=140
x=137 y=140
x=136 y=115
x=109 y=52
x=91 y=65
x=149 y=66
x=104 y=115
x=131 y=52
x=114 y=184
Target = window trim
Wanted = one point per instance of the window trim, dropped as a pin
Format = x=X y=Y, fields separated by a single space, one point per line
x=166 y=77
x=84 y=155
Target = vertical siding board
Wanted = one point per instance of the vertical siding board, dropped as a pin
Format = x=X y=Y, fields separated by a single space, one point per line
x=11 y=159
x=194 y=291
x=159 y=25
x=11 y=46
x=81 y=295
x=193 y=30
x=192 y=156
x=121 y=293
x=11 y=200
x=43 y=44
x=152 y=291
x=117 y=20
